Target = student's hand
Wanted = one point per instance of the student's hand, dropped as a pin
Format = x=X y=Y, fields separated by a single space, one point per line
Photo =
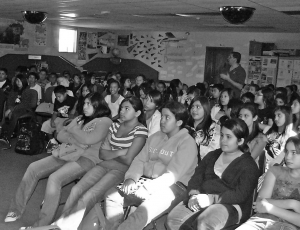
x=128 y=186
x=263 y=206
x=84 y=147
x=183 y=98
x=225 y=76
x=199 y=201
x=122 y=152
x=52 y=124
x=142 y=193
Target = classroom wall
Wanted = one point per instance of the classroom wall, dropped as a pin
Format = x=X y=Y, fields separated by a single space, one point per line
x=184 y=59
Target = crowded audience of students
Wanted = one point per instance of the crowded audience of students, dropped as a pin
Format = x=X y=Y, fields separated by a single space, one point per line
x=190 y=152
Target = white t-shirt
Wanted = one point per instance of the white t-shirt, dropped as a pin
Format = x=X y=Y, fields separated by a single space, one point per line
x=39 y=91
x=2 y=83
x=114 y=107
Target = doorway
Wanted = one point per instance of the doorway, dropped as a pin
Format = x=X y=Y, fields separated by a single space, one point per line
x=215 y=63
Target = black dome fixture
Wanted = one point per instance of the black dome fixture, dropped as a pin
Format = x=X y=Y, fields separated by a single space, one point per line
x=237 y=14
x=34 y=17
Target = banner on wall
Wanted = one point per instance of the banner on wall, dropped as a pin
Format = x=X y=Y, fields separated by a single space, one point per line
x=82 y=42
x=92 y=40
x=13 y=35
x=40 y=35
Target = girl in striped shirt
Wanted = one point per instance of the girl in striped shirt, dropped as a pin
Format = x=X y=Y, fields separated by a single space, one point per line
x=124 y=141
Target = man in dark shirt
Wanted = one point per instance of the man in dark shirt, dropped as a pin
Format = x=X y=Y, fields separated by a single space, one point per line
x=5 y=87
x=235 y=75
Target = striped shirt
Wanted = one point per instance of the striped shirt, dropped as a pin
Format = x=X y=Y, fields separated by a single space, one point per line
x=125 y=141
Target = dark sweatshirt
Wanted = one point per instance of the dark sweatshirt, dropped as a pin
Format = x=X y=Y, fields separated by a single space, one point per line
x=236 y=185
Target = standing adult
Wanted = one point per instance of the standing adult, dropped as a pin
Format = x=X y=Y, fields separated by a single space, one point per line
x=5 y=87
x=234 y=76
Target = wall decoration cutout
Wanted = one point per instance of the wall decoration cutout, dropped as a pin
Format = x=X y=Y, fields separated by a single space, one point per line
x=13 y=35
x=123 y=40
x=40 y=35
x=82 y=46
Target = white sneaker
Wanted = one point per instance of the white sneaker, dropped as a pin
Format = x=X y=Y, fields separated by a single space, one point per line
x=11 y=217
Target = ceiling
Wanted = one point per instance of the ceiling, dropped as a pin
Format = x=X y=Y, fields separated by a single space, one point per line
x=160 y=15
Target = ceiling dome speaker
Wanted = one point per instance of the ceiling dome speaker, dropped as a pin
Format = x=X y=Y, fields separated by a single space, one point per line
x=236 y=14
x=34 y=17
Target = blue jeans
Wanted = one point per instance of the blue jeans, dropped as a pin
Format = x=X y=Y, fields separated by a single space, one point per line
x=160 y=202
x=216 y=216
x=86 y=193
x=266 y=221
x=59 y=172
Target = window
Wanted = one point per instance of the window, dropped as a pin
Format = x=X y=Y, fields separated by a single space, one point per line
x=67 y=40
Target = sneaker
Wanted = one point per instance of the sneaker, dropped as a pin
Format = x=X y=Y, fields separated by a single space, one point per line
x=52 y=144
x=11 y=217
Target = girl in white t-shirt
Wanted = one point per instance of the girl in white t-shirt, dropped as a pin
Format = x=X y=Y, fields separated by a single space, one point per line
x=114 y=99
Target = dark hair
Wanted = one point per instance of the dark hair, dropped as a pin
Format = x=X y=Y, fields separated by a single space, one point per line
x=145 y=87
x=255 y=86
x=88 y=78
x=194 y=90
x=60 y=89
x=281 y=90
x=141 y=75
x=172 y=88
x=100 y=108
x=32 y=66
x=268 y=96
x=161 y=82
x=123 y=80
x=237 y=55
x=296 y=121
x=254 y=111
x=179 y=110
x=220 y=87
x=240 y=130
x=66 y=72
x=249 y=95
x=282 y=97
x=230 y=94
x=271 y=86
x=137 y=105
x=36 y=76
x=54 y=74
x=290 y=88
x=4 y=70
x=234 y=104
x=24 y=81
x=44 y=70
x=202 y=88
x=114 y=81
x=206 y=122
x=286 y=110
x=294 y=87
x=185 y=85
x=156 y=97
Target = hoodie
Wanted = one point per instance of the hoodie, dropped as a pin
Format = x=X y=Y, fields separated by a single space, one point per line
x=166 y=160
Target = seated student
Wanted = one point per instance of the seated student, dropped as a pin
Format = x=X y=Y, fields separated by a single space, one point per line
x=215 y=94
x=124 y=141
x=233 y=108
x=202 y=127
x=64 y=108
x=202 y=88
x=256 y=140
x=175 y=89
x=247 y=97
x=5 y=88
x=64 y=82
x=32 y=81
x=125 y=90
x=144 y=90
x=278 y=201
x=187 y=97
x=244 y=90
x=114 y=99
x=221 y=189
x=218 y=110
x=290 y=94
x=76 y=85
x=86 y=132
x=138 y=81
x=52 y=81
x=21 y=100
x=296 y=114
x=280 y=100
x=161 y=87
x=169 y=158
x=152 y=108
x=42 y=81
x=277 y=135
x=253 y=88
x=91 y=80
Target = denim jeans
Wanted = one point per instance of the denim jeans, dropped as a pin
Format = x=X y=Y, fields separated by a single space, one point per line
x=160 y=202
x=59 y=172
x=86 y=193
x=216 y=216
x=266 y=221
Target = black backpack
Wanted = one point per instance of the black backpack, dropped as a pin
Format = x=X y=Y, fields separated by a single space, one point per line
x=30 y=139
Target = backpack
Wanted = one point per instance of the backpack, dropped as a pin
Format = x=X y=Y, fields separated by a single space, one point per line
x=30 y=139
